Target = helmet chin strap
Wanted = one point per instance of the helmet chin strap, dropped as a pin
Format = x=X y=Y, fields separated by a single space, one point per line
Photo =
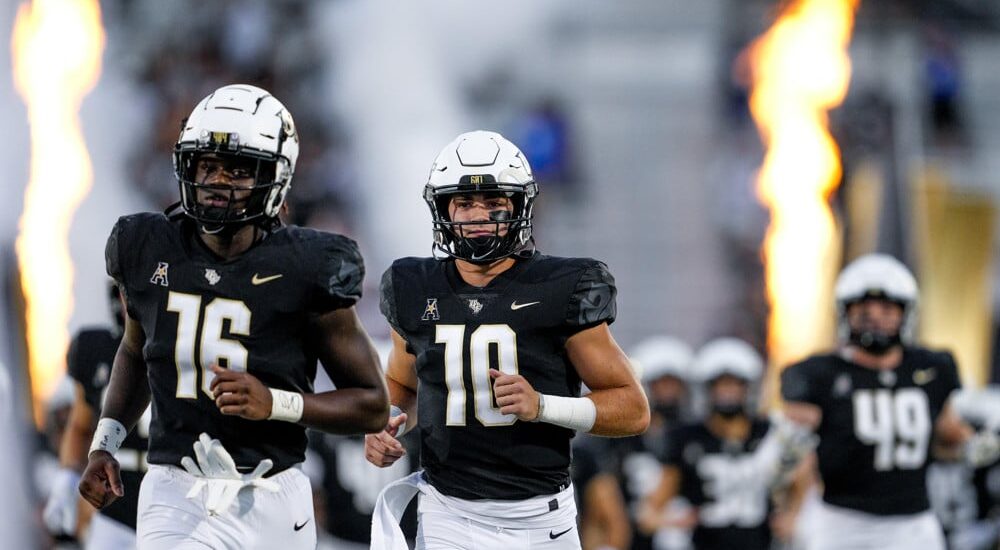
x=728 y=409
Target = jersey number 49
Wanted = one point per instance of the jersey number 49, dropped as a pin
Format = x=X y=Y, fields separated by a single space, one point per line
x=897 y=423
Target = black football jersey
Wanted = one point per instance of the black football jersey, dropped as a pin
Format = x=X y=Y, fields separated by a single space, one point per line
x=876 y=429
x=718 y=478
x=250 y=313
x=518 y=324
x=91 y=354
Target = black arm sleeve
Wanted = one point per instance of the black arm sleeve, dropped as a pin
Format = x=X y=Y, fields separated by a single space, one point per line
x=387 y=301
x=950 y=378
x=74 y=368
x=796 y=386
x=112 y=253
x=340 y=273
x=593 y=298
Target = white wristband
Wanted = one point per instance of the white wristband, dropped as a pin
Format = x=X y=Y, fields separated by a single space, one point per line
x=575 y=413
x=108 y=436
x=285 y=405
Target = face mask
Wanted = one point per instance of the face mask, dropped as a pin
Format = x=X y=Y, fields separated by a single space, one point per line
x=728 y=410
x=874 y=342
x=669 y=411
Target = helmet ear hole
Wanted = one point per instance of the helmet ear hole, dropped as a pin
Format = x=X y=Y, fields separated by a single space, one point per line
x=441 y=202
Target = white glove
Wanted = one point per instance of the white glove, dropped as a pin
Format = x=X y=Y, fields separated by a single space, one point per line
x=781 y=450
x=982 y=449
x=60 y=510
x=797 y=440
x=216 y=472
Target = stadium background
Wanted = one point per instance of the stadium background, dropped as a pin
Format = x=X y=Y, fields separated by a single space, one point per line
x=636 y=117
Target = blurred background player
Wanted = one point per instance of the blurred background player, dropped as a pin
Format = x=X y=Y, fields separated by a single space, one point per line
x=964 y=497
x=879 y=404
x=711 y=463
x=88 y=363
x=601 y=508
x=47 y=472
x=665 y=366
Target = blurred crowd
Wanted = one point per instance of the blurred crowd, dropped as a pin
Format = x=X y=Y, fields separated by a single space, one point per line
x=180 y=53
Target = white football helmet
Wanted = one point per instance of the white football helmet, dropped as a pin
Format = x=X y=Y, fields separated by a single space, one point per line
x=481 y=162
x=980 y=406
x=876 y=276
x=730 y=356
x=242 y=121
x=660 y=356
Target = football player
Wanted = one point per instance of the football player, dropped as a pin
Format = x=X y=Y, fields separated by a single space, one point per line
x=713 y=463
x=665 y=364
x=965 y=498
x=600 y=504
x=878 y=404
x=89 y=365
x=227 y=314
x=497 y=337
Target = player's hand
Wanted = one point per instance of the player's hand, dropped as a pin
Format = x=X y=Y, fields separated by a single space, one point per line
x=383 y=449
x=240 y=394
x=982 y=449
x=101 y=482
x=515 y=395
x=783 y=525
x=60 y=510
x=650 y=521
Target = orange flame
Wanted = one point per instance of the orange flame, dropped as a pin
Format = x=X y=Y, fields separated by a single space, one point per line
x=57 y=47
x=801 y=70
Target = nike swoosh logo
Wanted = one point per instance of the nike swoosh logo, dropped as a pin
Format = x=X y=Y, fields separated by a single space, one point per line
x=516 y=306
x=299 y=527
x=258 y=280
x=554 y=536
x=922 y=377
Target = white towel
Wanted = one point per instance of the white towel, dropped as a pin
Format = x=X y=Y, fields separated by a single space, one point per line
x=389 y=508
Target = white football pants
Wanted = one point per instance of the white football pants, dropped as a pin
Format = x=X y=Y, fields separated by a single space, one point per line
x=257 y=520
x=107 y=534
x=839 y=528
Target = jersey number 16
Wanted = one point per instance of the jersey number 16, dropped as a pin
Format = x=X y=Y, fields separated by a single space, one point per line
x=212 y=348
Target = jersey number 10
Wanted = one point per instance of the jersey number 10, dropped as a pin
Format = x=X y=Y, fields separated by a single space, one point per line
x=453 y=338
x=897 y=423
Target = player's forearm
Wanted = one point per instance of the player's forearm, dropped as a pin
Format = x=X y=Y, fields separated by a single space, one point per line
x=128 y=391
x=402 y=396
x=76 y=439
x=650 y=511
x=621 y=411
x=346 y=411
x=605 y=496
